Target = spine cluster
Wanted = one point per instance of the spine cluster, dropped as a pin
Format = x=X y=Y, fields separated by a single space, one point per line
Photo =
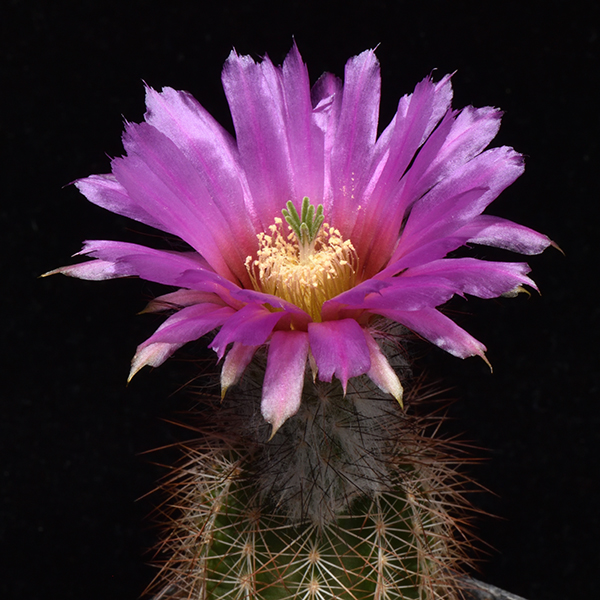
x=352 y=499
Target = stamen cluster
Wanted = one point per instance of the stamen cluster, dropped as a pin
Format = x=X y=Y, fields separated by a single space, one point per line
x=306 y=270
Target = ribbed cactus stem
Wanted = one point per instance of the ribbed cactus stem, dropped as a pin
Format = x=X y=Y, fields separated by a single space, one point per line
x=351 y=499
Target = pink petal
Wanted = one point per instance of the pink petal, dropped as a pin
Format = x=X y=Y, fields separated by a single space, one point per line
x=403 y=293
x=92 y=270
x=481 y=278
x=355 y=139
x=236 y=361
x=107 y=192
x=353 y=297
x=467 y=134
x=281 y=149
x=381 y=372
x=184 y=326
x=438 y=329
x=158 y=176
x=339 y=348
x=180 y=299
x=301 y=319
x=251 y=326
x=304 y=138
x=458 y=138
x=326 y=97
x=429 y=251
x=122 y=259
x=284 y=377
x=214 y=154
x=459 y=198
x=417 y=115
x=501 y=233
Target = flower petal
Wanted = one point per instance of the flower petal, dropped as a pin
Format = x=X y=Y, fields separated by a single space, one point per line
x=417 y=115
x=354 y=141
x=123 y=259
x=184 y=326
x=284 y=377
x=458 y=199
x=180 y=299
x=404 y=293
x=438 y=329
x=340 y=349
x=214 y=154
x=381 y=372
x=501 y=233
x=236 y=361
x=281 y=148
x=158 y=176
x=107 y=192
x=481 y=278
x=251 y=326
x=326 y=97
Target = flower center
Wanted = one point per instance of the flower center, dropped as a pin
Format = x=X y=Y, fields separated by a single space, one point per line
x=307 y=265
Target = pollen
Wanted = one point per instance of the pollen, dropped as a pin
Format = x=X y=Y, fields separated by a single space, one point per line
x=306 y=270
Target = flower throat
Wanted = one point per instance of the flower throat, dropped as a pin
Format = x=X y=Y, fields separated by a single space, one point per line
x=309 y=265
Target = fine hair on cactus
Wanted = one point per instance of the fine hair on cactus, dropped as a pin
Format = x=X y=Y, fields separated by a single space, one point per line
x=353 y=498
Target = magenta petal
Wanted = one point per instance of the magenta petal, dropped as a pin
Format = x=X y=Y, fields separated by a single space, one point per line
x=284 y=376
x=184 y=326
x=339 y=348
x=301 y=318
x=408 y=293
x=428 y=252
x=236 y=361
x=212 y=151
x=181 y=299
x=304 y=137
x=154 y=265
x=381 y=372
x=355 y=139
x=481 y=278
x=92 y=270
x=107 y=192
x=158 y=176
x=460 y=198
x=281 y=148
x=354 y=297
x=326 y=96
x=417 y=115
x=467 y=134
x=251 y=326
x=438 y=329
x=191 y=323
x=501 y=233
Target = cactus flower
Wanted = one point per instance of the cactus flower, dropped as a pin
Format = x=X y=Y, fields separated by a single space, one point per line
x=307 y=225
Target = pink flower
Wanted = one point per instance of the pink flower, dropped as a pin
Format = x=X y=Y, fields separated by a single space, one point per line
x=393 y=207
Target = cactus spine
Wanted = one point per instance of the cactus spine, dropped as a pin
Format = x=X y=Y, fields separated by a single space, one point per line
x=352 y=499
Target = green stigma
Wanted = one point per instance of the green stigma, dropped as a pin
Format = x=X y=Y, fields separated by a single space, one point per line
x=305 y=225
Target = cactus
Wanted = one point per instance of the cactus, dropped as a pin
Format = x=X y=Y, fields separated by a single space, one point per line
x=353 y=498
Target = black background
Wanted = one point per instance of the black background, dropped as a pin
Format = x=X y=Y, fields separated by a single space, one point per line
x=72 y=433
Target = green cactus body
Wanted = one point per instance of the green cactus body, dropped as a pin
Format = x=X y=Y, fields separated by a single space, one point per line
x=386 y=547
x=350 y=500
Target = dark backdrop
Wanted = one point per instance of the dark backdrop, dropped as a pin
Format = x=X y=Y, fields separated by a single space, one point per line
x=73 y=434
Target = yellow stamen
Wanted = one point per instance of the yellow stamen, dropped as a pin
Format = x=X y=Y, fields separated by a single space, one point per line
x=306 y=274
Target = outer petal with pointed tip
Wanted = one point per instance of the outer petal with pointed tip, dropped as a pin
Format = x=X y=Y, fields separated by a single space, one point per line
x=381 y=372
x=440 y=330
x=284 y=377
x=340 y=349
x=188 y=324
x=251 y=326
x=237 y=359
